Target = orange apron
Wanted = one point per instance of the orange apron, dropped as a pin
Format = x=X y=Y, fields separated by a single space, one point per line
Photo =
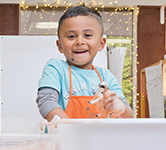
x=78 y=106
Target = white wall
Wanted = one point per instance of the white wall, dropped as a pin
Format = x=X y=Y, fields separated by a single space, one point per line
x=22 y=62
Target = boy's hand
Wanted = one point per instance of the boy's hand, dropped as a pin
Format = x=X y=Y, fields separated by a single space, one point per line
x=110 y=105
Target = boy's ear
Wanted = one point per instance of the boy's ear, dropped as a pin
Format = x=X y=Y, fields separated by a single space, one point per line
x=102 y=43
x=58 y=43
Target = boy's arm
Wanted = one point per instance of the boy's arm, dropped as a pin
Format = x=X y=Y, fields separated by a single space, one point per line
x=127 y=113
x=47 y=100
x=56 y=111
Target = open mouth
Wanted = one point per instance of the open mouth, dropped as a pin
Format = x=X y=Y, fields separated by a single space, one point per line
x=80 y=51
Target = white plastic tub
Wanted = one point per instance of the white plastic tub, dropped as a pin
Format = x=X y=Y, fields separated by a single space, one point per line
x=112 y=134
x=28 y=141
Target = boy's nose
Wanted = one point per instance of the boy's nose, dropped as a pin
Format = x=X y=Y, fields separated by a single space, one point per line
x=80 y=41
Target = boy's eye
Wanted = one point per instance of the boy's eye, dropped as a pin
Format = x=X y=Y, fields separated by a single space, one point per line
x=71 y=36
x=88 y=35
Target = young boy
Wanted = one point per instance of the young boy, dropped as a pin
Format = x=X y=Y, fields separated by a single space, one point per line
x=66 y=87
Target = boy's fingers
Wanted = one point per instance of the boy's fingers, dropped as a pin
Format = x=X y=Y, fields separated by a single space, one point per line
x=108 y=107
x=107 y=101
x=108 y=93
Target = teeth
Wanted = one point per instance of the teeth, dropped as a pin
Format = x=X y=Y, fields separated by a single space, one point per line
x=80 y=51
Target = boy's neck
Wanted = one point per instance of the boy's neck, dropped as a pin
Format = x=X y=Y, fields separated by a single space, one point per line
x=85 y=67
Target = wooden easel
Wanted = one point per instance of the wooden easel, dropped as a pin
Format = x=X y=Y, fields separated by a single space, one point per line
x=143 y=95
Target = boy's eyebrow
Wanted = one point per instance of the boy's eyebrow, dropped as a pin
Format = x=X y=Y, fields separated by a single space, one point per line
x=70 y=31
x=73 y=31
x=91 y=30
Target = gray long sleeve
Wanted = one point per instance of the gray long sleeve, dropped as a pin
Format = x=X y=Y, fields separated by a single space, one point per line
x=47 y=100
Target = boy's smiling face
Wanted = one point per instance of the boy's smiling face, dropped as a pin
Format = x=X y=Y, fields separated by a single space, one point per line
x=80 y=38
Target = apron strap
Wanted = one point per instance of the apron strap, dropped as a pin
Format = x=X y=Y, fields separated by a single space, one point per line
x=70 y=78
x=97 y=73
x=70 y=81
